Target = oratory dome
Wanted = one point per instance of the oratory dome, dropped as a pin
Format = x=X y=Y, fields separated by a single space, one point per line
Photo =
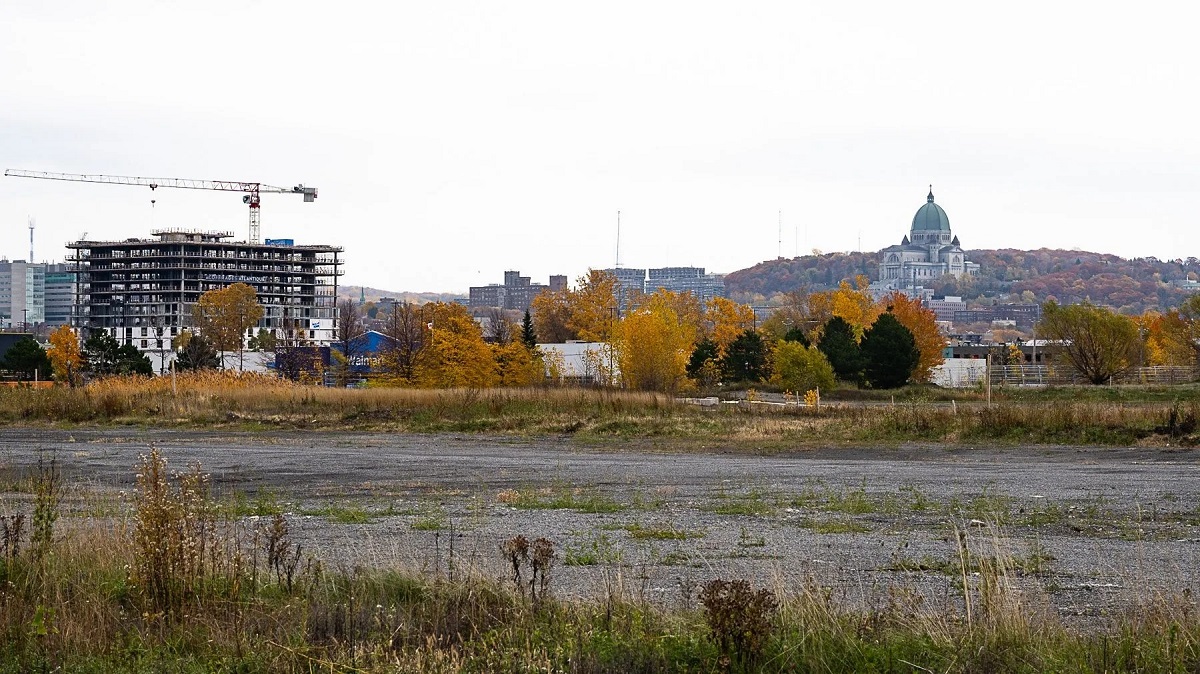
x=930 y=217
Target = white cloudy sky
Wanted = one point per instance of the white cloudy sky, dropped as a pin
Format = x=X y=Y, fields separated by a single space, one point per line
x=451 y=141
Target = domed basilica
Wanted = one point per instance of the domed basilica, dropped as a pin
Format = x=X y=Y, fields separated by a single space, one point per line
x=929 y=252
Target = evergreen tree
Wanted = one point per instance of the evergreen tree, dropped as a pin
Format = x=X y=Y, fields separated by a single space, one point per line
x=528 y=336
x=27 y=359
x=890 y=351
x=797 y=335
x=100 y=354
x=197 y=354
x=746 y=359
x=104 y=356
x=841 y=349
x=132 y=361
x=705 y=352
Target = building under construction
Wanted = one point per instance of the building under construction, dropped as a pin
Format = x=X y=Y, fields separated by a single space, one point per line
x=142 y=291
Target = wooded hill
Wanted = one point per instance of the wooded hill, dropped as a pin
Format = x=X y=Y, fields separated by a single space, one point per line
x=1067 y=276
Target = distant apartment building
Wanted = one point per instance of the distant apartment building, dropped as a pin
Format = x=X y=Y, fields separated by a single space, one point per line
x=516 y=293
x=22 y=294
x=135 y=288
x=945 y=307
x=1023 y=315
x=686 y=279
x=630 y=284
x=60 y=294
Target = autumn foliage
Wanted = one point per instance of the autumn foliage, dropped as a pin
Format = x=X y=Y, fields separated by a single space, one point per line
x=65 y=357
x=653 y=344
x=922 y=323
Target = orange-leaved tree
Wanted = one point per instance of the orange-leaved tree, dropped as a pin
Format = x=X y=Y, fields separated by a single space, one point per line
x=922 y=323
x=65 y=357
x=224 y=315
x=653 y=345
x=1169 y=339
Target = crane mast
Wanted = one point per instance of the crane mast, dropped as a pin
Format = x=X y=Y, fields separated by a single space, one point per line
x=251 y=191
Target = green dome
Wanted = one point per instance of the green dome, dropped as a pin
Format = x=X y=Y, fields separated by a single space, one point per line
x=931 y=217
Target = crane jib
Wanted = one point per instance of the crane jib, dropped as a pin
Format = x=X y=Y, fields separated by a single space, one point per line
x=251 y=189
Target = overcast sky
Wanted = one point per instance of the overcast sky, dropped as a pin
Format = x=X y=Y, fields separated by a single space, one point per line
x=451 y=141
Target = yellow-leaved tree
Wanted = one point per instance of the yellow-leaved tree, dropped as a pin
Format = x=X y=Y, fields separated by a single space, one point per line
x=65 y=358
x=922 y=323
x=551 y=313
x=224 y=315
x=593 y=306
x=726 y=320
x=517 y=364
x=653 y=345
x=687 y=307
x=851 y=303
x=855 y=304
x=455 y=355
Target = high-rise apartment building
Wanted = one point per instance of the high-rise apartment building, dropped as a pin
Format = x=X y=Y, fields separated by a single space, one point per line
x=630 y=284
x=135 y=287
x=686 y=279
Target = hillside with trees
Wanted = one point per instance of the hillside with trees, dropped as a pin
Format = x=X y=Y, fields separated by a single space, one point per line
x=1065 y=276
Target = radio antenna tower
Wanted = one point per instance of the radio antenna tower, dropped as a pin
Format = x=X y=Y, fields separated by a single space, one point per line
x=617 y=264
x=779 y=251
x=31 y=223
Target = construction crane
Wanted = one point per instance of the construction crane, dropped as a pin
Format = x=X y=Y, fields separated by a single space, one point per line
x=250 y=191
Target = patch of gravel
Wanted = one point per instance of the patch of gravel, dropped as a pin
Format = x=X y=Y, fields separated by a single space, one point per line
x=1089 y=530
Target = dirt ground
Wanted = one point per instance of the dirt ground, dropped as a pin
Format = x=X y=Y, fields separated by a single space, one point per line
x=1087 y=531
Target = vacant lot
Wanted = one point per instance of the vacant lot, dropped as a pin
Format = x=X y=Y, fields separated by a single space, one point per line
x=1087 y=530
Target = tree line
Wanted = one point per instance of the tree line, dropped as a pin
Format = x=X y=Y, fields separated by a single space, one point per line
x=661 y=341
x=667 y=341
x=1131 y=286
x=1101 y=343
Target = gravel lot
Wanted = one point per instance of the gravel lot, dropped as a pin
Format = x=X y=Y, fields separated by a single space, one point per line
x=1091 y=530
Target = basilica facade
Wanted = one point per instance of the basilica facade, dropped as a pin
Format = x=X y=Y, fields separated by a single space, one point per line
x=928 y=252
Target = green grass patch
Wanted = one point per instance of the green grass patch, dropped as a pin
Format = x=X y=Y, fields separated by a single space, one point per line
x=752 y=503
x=599 y=549
x=342 y=513
x=263 y=503
x=431 y=519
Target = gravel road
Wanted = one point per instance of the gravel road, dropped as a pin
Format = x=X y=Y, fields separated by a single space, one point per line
x=1089 y=530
